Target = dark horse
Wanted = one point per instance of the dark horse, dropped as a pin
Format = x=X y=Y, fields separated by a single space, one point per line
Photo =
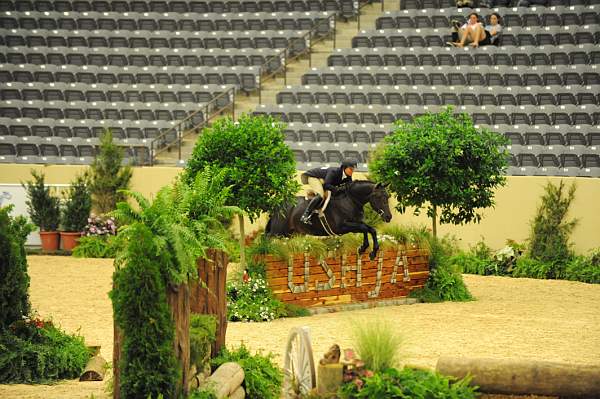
x=344 y=214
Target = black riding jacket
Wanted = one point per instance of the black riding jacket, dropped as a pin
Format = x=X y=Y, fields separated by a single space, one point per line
x=333 y=177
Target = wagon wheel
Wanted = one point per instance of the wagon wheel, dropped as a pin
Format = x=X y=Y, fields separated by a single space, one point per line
x=299 y=368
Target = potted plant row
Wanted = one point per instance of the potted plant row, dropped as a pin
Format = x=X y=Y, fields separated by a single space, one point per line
x=47 y=214
x=44 y=210
x=75 y=212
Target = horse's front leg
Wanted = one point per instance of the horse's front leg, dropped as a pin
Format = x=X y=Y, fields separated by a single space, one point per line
x=353 y=227
x=365 y=243
x=373 y=232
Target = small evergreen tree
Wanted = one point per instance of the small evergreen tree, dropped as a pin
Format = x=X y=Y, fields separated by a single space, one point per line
x=78 y=205
x=14 y=280
x=443 y=163
x=43 y=207
x=108 y=175
x=148 y=364
x=550 y=229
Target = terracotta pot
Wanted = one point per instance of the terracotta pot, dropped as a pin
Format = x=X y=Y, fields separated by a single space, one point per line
x=69 y=240
x=49 y=240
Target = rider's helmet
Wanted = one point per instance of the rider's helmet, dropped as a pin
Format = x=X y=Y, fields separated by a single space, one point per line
x=349 y=163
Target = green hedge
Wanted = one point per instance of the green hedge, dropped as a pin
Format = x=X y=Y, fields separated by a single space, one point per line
x=35 y=351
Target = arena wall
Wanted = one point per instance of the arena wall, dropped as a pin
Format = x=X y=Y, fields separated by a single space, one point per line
x=515 y=203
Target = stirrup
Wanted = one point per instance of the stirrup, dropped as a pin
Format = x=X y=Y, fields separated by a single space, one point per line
x=306 y=219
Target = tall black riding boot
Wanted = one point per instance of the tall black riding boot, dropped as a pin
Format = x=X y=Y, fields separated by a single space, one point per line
x=312 y=205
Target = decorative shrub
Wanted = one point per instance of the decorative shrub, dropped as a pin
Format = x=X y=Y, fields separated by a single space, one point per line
x=99 y=238
x=252 y=301
x=77 y=206
x=407 y=383
x=377 y=343
x=584 y=268
x=96 y=247
x=534 y=268
x=148 y=364
x=203 y=328
x=35 y=351
x=445 y=279
x=550 y=230
x=14 y=280
x=100 y=226
x=43 y=207
x=262 y=377
x=108 y=175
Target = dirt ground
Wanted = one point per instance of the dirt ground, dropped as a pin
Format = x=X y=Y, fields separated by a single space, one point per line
x=511 y=318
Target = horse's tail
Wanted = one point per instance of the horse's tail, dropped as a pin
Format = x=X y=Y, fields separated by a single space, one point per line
x=278 y=223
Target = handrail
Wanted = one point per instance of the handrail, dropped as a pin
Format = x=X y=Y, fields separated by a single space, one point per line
x=286 y=53
x=187 y=125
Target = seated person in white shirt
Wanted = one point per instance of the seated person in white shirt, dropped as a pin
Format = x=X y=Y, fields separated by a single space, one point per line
x=471 y=32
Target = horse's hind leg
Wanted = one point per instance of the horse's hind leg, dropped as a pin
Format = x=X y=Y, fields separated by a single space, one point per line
x=365 y=243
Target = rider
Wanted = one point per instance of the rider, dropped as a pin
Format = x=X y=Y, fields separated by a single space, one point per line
x=330 y=179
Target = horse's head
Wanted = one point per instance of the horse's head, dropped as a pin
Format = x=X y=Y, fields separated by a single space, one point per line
x=379 y=200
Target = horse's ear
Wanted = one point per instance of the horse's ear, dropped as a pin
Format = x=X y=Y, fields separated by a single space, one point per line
x=380 y=185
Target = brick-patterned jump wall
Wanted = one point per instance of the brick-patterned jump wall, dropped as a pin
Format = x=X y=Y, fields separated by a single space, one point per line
x=347 y=278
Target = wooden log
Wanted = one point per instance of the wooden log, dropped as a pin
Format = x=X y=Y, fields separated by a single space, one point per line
x=94 y=370
x=329 y=378
x=226 y=379
x=525 y=377
x=239 y=393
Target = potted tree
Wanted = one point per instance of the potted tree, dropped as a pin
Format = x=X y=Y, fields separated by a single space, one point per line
x=75 y=212
x=44 y=210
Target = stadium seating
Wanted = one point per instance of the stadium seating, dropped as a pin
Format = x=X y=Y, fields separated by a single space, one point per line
x=71 y=68
x=540 y=88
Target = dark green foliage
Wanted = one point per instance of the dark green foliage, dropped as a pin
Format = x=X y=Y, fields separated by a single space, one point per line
x=35 y=351
x=445 y=280
x=550 y=230
x=203 y=328
x=443 y=163
x=202 y=394
x=408 y=383
x=78 y=205
x=262 y=377
x=445 y=284
x=14 y=280
x=292 y=310
x=472 y=264
x=148 y=364
x=43 y=207
x=104 y=246
x=534 y=268
x=584 y=268
x=108 y=176
x=259 y=166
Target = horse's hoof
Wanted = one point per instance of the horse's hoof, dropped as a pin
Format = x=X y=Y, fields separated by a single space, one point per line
x=372 y=255
x=362 y=250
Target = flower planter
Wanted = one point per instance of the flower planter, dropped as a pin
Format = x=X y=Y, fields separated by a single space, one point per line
x=49 y=240
x=69 y=240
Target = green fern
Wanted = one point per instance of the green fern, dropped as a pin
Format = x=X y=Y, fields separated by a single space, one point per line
x=184 y=220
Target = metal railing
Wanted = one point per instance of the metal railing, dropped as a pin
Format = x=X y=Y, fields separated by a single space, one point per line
x=174 y=135
x=290 y=53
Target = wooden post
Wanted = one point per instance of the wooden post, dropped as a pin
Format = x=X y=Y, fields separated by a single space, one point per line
x=208 y=294
x=179 y=304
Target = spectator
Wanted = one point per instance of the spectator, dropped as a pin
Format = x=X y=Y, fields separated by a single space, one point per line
x=465 y=3
x=472 y=31
x=494 y=29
